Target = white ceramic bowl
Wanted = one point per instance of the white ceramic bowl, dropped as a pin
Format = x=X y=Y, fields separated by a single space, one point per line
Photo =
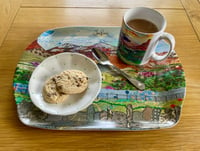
x=56 y=64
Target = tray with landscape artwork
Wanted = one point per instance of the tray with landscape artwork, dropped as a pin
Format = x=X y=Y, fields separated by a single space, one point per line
x=119 y=105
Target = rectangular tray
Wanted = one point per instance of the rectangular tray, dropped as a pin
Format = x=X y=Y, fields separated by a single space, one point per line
x=119 y=106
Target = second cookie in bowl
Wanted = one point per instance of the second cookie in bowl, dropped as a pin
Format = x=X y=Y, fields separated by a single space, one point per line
x=51 y=93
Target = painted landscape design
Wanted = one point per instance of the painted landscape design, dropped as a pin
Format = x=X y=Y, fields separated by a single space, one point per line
x=119 y=105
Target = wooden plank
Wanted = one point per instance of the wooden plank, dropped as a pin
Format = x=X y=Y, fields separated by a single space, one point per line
x=8 y=10
x=192 y=8
x=102 y=3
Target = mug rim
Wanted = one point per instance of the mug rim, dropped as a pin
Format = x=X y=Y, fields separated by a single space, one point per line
x=164 y=21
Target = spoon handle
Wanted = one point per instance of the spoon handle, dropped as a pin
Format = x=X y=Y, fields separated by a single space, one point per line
x=103 y=59
x=132 y=80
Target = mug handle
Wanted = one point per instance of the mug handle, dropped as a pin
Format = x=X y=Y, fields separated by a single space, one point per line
x=168 y=37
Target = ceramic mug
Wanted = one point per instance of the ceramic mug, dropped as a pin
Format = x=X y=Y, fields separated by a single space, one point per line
x=137 y=46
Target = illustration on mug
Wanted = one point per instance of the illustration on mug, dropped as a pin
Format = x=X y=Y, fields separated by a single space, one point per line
x=132 y=51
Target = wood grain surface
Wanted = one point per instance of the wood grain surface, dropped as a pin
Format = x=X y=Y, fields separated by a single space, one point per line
x=8 y=10
x=31 y=21
x=102 y=3
x=192 y=8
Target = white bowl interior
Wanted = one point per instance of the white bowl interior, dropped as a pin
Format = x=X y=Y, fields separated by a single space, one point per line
x=56 y=64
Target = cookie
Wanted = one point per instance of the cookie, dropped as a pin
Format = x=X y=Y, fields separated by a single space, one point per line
x=51 y=94
x=71 y=81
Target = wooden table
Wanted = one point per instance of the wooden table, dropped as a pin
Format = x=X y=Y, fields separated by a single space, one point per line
x=34 y=17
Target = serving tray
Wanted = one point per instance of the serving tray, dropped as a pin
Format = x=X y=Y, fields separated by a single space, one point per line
x=119 y=105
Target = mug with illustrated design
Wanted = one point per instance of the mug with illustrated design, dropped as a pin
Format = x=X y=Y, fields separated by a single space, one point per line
x=142 y=29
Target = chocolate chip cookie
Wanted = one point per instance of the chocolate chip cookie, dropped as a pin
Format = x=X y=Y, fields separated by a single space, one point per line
x=71 y=81
x=51 y=93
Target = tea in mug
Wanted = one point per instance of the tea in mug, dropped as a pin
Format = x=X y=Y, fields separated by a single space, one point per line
x=143 y=25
